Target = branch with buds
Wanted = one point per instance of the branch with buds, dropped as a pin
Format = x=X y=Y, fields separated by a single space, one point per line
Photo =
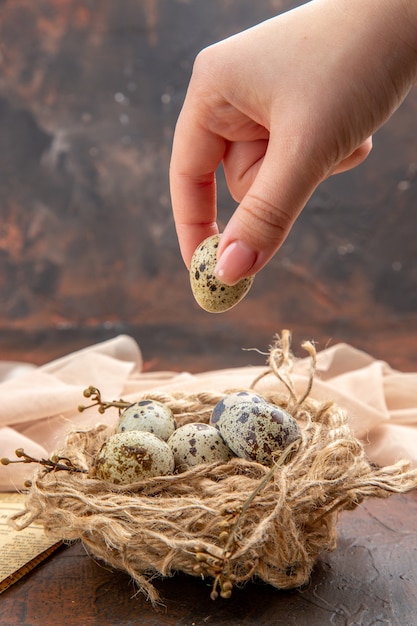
x=95 y=395
x=55 y=463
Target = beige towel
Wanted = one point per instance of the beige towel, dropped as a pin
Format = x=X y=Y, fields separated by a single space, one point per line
x=38 y=405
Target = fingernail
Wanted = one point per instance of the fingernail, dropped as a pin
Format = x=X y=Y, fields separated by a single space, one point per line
x=235 y=262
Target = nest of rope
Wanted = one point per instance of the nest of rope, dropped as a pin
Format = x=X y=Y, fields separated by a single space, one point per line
x=226 y=521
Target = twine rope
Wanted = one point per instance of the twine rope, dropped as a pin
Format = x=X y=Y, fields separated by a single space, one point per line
x=225 y=521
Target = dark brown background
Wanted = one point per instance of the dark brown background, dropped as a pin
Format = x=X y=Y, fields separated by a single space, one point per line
x=89 y=95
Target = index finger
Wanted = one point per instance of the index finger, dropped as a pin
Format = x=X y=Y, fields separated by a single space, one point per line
x=196 y=154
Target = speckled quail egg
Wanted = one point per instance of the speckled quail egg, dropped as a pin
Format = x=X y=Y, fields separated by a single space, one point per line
x=252 y=427
x=148 y=415
x=210 y=293
x=133 y=455
x=195 y=443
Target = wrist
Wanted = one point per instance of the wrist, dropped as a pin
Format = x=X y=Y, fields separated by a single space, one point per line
x=397 y=21
x=386 y=35
x=401 y=32
x=408 y=13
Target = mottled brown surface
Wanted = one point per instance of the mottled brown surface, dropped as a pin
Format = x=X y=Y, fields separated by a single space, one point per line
x=369 y=580
x=89 y=94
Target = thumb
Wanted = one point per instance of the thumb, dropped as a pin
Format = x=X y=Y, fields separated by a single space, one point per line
x=267 y=212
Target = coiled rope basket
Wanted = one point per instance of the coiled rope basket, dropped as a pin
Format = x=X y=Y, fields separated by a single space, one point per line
x=229 y=522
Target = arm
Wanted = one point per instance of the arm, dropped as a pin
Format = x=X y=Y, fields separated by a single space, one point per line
x=283 y=106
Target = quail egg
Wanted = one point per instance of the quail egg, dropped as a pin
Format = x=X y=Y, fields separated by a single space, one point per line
x=252 y=427
x=148 y=415
x=195 y=443
x=133 y=455
x=210 y=293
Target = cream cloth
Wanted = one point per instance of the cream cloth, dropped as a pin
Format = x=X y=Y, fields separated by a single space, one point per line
x=38 y=405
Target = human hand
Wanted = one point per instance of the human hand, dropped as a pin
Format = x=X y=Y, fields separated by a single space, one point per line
x=283 y=106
